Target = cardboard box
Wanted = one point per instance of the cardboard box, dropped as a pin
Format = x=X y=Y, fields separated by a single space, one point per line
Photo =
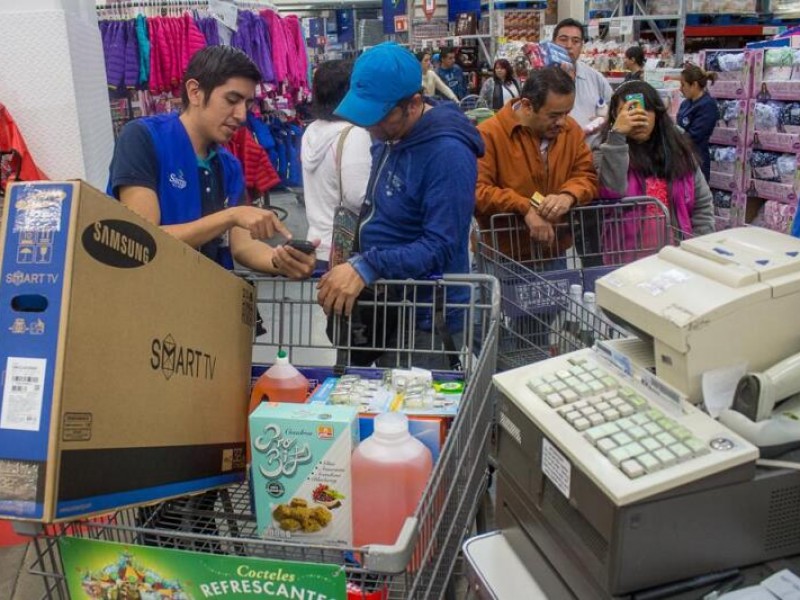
x=126 y=358
x=731 y=84
x=786 y=140
x=299 y=452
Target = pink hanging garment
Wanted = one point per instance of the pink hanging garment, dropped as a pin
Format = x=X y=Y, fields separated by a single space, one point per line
x=280 y=46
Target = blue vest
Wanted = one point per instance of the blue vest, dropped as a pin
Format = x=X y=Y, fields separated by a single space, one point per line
x=178 y=181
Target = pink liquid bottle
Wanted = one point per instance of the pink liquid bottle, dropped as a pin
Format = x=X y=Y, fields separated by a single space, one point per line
x=390 y=471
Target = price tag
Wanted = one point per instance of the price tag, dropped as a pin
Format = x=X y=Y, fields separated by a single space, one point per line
x=626 y=26
x=594 y=29
x=548 y=32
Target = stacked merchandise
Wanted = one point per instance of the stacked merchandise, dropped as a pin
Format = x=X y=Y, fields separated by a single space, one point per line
x=720 y=6
x=728 y=144
x=756 y=147
x=773 y=135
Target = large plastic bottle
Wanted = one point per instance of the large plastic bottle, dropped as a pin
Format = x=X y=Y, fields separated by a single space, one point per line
x=390 y=470
x=280 y=383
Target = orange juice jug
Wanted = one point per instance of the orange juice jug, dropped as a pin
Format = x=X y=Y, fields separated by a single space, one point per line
x=280 y=383
x=390 y=470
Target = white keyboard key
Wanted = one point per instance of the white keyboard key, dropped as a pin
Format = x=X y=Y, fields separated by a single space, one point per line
x=618 y=454
x=665 y=439
x=569 y=395
x=586 y=377
x=577 y=370
x=550 y=378
x=601 y=406
x=624 y=424
x=617 y=402
x=596 y=419
x=622 y=438
x=632 y=468
x=596 y=386
x=582 y=424
x=612 y=414
x=596 y=433
x=637 y=402
x=652 y=428
x=571 y=381
x=627 y=393
x=625 y=410
x=666 y=457
x=580 y=405
x=559 y=385
x=654 y=415
x=609 y=396
x=582 y=389
x=681 y=452
x=636 y=432
x=650 y=444
x=635 y=449
x=680 y=433
x=649 y=462
x=606 y=445
x=554 y=400
x=573 y=416
x=534 y=383
x=588 y=410
x=667 y=424
x=576 y=360
x=610 y=382
x=563 y=375
x=640 y=419
x=698 y=448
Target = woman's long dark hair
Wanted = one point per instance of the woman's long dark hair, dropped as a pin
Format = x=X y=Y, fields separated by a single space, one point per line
x=669 y=153
x=502 y=62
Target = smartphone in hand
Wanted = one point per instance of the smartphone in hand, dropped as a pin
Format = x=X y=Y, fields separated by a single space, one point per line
x=303 y=246
x=637 y=98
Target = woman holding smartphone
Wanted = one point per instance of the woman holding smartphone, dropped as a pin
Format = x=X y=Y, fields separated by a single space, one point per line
x=645 y=154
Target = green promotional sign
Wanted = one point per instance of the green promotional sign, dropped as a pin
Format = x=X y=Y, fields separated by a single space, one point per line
x=106 y=570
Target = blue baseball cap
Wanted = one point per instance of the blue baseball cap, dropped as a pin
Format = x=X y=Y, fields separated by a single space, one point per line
x=382 y=76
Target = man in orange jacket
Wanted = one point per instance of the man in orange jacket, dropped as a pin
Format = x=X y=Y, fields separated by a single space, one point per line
x=533 y=145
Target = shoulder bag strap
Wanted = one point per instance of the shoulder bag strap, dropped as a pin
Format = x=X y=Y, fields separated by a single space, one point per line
x=339 y=148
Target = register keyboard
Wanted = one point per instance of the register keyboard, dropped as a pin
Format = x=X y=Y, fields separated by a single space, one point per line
x=632 y=434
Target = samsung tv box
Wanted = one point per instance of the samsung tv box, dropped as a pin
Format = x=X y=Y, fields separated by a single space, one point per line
x=125 y=358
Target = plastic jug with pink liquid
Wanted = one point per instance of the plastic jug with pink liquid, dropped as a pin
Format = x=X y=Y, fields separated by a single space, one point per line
x=390 y=470
x=280 y=383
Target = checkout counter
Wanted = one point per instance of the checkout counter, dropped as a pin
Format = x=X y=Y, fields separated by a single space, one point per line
x=612 y=479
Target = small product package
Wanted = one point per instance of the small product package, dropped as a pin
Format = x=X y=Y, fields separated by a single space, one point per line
x=301 y=471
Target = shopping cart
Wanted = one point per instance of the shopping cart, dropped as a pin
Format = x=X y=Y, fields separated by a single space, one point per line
x=422 y=561
x=539 y=318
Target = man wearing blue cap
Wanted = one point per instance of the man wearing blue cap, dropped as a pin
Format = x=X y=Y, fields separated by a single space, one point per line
x=416 y=216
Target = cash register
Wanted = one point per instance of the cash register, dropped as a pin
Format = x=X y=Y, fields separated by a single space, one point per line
x=611 y=475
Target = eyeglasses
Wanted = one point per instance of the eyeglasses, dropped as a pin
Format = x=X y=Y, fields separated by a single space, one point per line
x=575 y=40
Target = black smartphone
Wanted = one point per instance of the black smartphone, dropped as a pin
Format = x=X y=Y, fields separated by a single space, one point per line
x=304 y=246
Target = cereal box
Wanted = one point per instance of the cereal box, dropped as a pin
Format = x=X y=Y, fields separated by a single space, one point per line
x=301 y=471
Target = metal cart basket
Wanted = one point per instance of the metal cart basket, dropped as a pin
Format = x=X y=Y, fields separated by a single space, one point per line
x=539 y=319
x=421 y=562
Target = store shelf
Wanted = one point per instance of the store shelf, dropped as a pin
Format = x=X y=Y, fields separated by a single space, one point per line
x=731 y=30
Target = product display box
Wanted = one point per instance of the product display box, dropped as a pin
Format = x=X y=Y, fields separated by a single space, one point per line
x=734 y=69
x=779 y=181
x=774 y=125
x=301 y=471
x=126 y=359
x=732 y=123
x=775 y=75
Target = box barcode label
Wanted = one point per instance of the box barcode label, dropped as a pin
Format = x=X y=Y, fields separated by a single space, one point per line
x=23 y=394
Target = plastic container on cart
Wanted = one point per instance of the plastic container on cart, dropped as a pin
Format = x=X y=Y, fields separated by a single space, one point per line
x=389 y=457
x=280 y=383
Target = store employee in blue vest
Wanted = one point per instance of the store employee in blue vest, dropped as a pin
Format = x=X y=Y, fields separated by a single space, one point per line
x=172 y=169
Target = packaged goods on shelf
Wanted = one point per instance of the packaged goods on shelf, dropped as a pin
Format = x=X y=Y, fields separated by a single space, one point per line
x=131 y=367
x=776 y=74
x=772 y=175
x=779 y=216
x=720 y=6
x=663 y=7
x=734 y=69
x=731 y=125
x=774 y=125
x=727 y=168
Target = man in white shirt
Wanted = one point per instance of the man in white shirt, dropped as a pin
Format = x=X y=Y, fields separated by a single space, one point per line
x=590 y=86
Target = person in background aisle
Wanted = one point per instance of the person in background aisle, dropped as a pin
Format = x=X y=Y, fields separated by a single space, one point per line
x=592 y=91
x=415 y=220
x=533 y=145
x=431 y=82
x=634 y=63
x=698 y=113
x=451 y=73
x=330 y=178
x=501 y=86
x=173 y=171
x=645 y=154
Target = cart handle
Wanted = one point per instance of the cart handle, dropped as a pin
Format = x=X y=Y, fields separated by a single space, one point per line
x=394 y=559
